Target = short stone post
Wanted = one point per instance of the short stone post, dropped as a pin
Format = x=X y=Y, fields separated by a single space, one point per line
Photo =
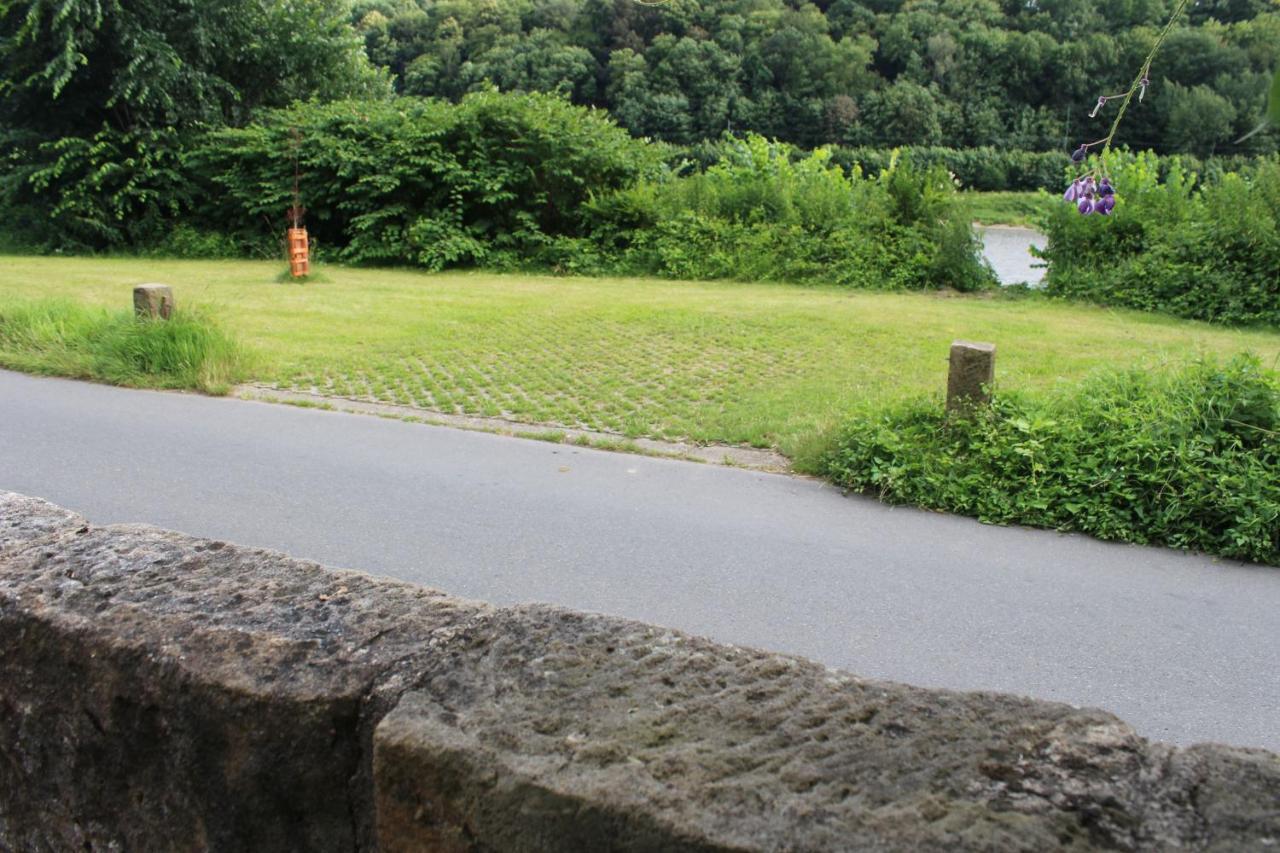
x=153 y=300
x=973 y=370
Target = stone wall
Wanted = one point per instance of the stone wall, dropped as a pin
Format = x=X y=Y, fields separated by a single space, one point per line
x=162 y=692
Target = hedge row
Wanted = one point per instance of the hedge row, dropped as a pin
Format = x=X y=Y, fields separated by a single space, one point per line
x=982 y=169
x=1205 y=250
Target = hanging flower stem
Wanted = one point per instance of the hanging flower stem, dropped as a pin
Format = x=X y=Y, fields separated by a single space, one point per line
x=1143 y=80
x=1092 y=191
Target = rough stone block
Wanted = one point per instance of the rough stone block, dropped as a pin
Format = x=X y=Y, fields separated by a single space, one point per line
x=585 y=733
x=159 y=692
x=972 y=372
x=23 y=519
x=153 y=300
x=163 y=692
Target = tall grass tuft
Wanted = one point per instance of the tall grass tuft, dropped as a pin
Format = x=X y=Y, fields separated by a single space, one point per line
x=63 y=338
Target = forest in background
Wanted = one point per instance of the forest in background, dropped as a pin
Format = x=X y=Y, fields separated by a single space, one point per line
x=1020 y=74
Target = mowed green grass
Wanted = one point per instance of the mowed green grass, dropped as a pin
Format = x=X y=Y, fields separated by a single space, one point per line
x=767 y=365
x=1008 y=208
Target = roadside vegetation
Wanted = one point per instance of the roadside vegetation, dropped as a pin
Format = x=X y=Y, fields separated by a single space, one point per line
x=62 y=337
x=1182 y=454
x=766 y=365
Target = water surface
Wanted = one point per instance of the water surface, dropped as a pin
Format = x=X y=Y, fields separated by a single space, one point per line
x=1008 y=248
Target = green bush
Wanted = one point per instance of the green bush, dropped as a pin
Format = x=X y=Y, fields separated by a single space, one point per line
x=65 y=339
x=763 y=214
x=422 y=182
x=501 y=181
x=1202 y=250
x=113 y=190
x=982 y=169
x=1187 y=457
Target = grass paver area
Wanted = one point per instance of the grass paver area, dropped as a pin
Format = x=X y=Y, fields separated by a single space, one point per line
x=767 y=365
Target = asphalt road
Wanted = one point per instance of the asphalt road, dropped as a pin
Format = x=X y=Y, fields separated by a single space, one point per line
x=1183 y=647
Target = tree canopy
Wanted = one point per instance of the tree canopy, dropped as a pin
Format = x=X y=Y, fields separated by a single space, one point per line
x=1009 y=73
x=70 y=67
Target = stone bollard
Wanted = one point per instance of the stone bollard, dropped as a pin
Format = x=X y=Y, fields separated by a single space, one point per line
x=973 y=369
x=153 y=300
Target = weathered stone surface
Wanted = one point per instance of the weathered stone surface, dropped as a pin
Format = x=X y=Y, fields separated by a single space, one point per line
x=972 y=372
x=153 y=300
x=23 y=519
x=575 y=732
x=159 y=691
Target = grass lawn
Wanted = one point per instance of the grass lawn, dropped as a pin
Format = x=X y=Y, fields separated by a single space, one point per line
x=1011 y=208
x=768 y=365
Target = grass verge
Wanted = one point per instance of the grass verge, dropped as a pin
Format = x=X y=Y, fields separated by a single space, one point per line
x=1186 y=456
x=63 y=338
x=1024 y=209
x=765 y=365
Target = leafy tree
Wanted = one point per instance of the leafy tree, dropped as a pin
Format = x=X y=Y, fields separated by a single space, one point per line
x=69 y=67
x=905 y=111
x=1198 y=118
x=998 y=72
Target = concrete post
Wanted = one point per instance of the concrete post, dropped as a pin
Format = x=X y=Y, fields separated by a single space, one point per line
x=973 y=370
x=153 y=300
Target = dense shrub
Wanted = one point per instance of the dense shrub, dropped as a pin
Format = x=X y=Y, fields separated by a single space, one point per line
x=68 y=339
x=422 y=182
x=1204 y=250
x=982 y=169
x=112 y=190
x=1187 y=457
x=762 y=214
x=498 y=180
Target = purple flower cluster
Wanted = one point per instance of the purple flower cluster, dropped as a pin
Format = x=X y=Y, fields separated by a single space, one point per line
x=1090 y=196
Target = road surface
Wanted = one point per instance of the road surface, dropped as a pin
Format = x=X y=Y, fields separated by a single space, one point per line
x=1184 y=647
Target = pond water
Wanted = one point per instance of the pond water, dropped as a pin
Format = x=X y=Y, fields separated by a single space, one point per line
x=1009 y=250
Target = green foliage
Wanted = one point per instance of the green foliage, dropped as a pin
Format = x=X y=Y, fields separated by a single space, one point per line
x=100 y=98
x=984 y=169
x=66 y=339
x=68 y=68
x=1186 y=457
x=1203 y=250
x=763 y=214
x=422 y=182
x=1020 y=209
x=977 y=73
x=1273 y=100
x=113 y=189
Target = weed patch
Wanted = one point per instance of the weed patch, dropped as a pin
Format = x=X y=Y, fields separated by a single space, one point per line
x=63 y=338
x=1185 y=456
